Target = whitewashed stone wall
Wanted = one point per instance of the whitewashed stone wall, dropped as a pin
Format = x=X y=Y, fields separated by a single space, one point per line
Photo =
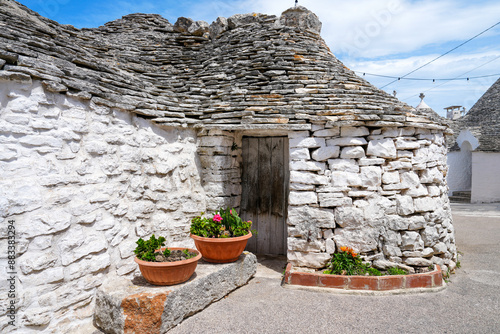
x=82 y=182
x=220 y=156
x=380 y=190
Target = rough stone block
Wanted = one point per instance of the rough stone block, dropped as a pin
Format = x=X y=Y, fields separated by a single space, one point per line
x=332 y=200
x=307 y=142
x=332 y=132
x=325 y=153
x=353 y=152
x=306 y=215
x=343 y=165
x=125 y=306
x=391 y=177
x=346 y=141
x=307 y=165
x=340 y=179
x=371 y=176
x=308 y=178
x=300 y=153
x=404 y=205
x=424 y=204
x=383 y=148
x=411 y=241
x=311 y=260
x=302 y=197
x=359 y=131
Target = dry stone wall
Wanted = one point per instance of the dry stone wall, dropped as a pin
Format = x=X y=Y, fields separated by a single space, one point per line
x=133 y=128
x=380 y=190
x=82 y=182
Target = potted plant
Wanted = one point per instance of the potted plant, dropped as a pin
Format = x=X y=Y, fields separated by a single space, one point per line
x=165 y=266
x=221 y=238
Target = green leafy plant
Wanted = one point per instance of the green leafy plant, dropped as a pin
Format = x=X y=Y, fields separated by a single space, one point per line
x=225 y=223
x=396 y=271
x=348 y=262
x=146 y=249
x=188 y=254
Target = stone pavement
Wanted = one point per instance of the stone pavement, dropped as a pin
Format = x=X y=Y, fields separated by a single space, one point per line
x=470 y=303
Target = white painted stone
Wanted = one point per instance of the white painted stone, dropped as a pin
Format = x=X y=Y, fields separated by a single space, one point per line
x=300 y=153
x=405 y=205
x=432 y=175
x=341 y=179
x=430 y=236
x=96 y=147
x=349 y=216
x=417 y=223
x=307 y=165
x=343 y=165
x=383 y=148
x=391 y=177
x=396 y=222
x=371 y=176
x=371 y=161
x=302 y=187
x=418 y=191
x=325 y=153
x=346 y=141
x=36 y=261
x=72 y=250
x=41 y=140
x=308 y=178
x=332 y=200
x=302 y=197
x=424 y=204
x=307 y=142
x=411 y=241
x=406 y=144
x=352 y=152
x=363 y=240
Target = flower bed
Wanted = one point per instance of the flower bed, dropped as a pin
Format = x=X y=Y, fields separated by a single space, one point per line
x=429 y=280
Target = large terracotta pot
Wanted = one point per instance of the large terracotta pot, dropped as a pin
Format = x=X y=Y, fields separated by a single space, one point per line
x=169 y=273
x=221 y=250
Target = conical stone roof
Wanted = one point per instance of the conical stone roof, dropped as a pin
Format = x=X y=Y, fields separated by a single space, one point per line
x=483 y=120
x=247 y=71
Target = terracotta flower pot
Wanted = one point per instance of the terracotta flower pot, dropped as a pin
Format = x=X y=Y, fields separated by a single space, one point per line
x=169 y=273
x=221 y=250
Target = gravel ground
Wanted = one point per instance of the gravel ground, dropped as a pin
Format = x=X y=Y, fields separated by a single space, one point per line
x=470 y=303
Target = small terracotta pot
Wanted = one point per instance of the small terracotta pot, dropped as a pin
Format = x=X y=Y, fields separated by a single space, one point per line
x=169 y=273
x=221 y=250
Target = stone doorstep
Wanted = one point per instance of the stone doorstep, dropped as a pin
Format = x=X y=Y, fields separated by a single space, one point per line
x=135 y=306
x=431 y=281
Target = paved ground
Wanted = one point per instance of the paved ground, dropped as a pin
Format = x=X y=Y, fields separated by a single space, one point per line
x=470 y=303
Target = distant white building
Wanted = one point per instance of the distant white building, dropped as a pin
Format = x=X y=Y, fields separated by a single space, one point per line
x=455 y=112
x=474 y=154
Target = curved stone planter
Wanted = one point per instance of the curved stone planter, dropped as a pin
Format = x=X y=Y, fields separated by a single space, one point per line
x=169 y=273
x=221 y=250
x=432 y=280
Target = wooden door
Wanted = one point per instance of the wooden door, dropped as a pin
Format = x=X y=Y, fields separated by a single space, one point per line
x=264 y=196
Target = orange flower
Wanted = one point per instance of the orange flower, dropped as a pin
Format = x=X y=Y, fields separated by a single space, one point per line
x=348 y=250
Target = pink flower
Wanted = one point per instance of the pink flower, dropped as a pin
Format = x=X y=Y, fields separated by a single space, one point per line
x=217 y=218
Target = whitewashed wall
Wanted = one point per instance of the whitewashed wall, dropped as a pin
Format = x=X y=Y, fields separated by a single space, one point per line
x=82 y=182
x=486 y=177
x=459 y=175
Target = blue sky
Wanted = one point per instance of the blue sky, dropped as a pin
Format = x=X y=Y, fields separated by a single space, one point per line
x=384 y=37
